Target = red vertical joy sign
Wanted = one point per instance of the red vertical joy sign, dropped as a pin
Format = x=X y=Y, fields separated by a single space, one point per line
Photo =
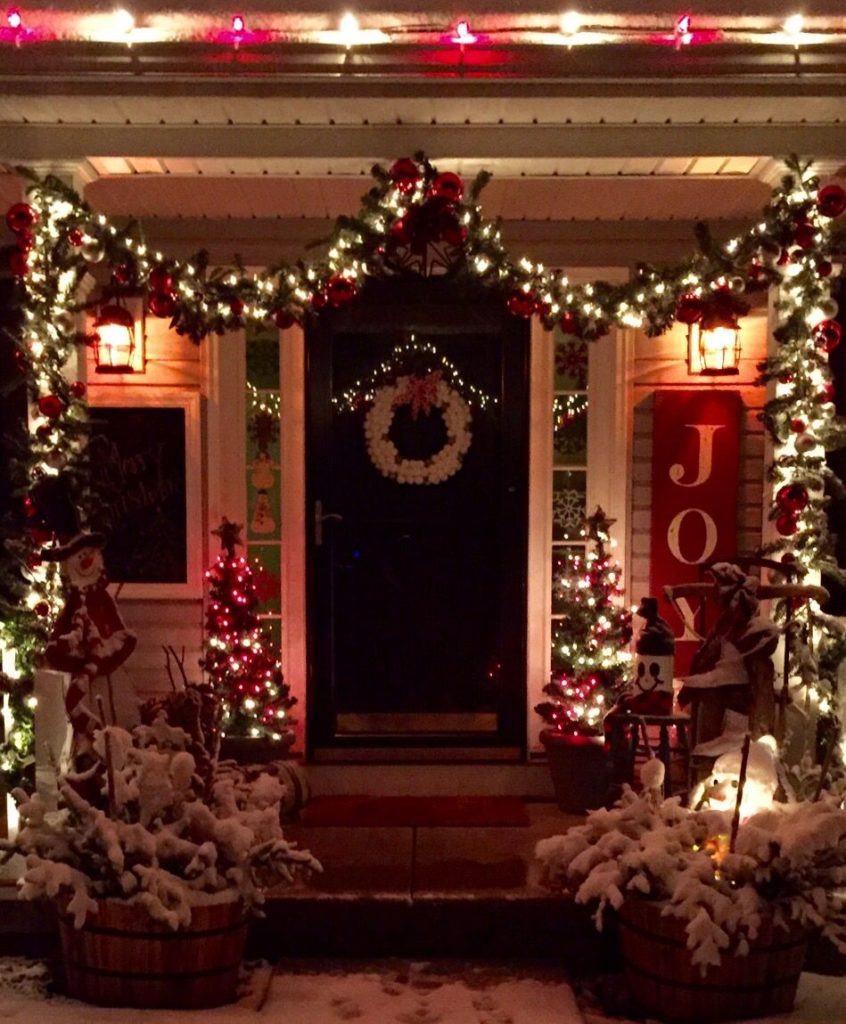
x=695 y=470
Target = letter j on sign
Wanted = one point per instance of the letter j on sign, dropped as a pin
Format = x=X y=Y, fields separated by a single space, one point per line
x=695 y=480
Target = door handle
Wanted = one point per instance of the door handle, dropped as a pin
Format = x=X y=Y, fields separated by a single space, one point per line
x=320 y=517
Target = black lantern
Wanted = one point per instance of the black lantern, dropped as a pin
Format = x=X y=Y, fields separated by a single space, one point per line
x=114 y=340
x=713 y=346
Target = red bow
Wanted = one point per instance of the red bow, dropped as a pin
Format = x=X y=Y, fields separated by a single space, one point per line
x=421 y=393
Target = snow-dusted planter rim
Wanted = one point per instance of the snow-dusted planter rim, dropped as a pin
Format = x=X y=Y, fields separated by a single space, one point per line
x=384 y=453
x=787 y=865
x=167 y=842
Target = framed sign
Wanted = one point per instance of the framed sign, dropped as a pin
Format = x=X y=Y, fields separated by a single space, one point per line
x=145 y=467
x=695 y=488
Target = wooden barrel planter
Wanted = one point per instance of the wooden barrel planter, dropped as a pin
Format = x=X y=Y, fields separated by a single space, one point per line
x=667 y=985
x=580 y=770
x=122 y=957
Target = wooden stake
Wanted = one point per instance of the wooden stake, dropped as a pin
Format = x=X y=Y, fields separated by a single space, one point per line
x=826 y=765
x=110 y=771
x=167 y=666
x=180 y=663
x=741 y=782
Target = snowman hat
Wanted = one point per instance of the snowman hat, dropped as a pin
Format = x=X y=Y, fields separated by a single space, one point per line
x=69 y=545
x=648 y=607
x=61 y=516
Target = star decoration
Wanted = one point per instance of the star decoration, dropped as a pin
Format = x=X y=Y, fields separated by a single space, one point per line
x=230 y=535
x=599 y=525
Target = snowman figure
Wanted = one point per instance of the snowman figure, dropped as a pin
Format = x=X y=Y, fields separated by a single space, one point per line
x=719 y=791
x=262 y=472
x=90 y=641
x=263 y=521
x=651 y=691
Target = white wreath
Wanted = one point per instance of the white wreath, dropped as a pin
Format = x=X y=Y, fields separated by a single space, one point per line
x=383 y=452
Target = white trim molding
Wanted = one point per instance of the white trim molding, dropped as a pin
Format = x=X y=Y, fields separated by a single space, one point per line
x=610 y=412
x=125 y=396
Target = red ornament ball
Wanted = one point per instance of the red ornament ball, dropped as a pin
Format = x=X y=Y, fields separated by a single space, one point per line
x=805 y=236
x=792 y=498
x=448 y=186
x=26 y=241
x=50 y=406
x=828 y=334
x=454 y=233
x=785 y=378
x=76 y=236
x=521 y=304
x=124 y=273
x=788 y=557
x=340 y=290
x=18 y=263
x=21 y=217
x=78 y=389
x=34 y=560
x=569 y=323
x=798 y=426
x=689 y=309
x=404 y=175
x=283 y=319
x=42 y=609
x=786 y=524
x=30 y=508
x=41 y=534
x=828 y=392
x=236 y=305
x=399 y=231
x=162 y=304
x=824 y=268
x=160 y=280
x=755 y=271
x=831 y=200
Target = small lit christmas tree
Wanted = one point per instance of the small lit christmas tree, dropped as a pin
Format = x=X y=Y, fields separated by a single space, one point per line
x=590 y=654
x=242 y=668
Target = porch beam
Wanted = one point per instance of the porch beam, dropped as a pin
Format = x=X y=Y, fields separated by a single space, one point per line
x=555 y=243
x=30 y=143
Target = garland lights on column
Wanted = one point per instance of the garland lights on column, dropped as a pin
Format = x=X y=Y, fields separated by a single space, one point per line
x=417 y=219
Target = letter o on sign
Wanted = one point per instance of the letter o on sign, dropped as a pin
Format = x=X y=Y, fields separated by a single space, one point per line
x=674 y=529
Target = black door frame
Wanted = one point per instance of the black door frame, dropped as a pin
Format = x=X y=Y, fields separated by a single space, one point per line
x=434 y=306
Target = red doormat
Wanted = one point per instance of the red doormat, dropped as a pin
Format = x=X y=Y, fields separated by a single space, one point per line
x=423 y=811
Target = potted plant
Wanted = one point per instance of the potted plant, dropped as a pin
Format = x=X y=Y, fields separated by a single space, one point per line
x=714 y=911
x=154 y=860
x=589 y=660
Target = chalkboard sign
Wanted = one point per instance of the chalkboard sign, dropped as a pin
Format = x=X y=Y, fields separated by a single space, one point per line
x=140 y=463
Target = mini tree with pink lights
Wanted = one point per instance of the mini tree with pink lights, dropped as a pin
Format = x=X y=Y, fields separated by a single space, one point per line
x=590 y=652
x=243 y=669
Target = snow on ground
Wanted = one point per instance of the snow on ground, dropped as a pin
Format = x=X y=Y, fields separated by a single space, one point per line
x=385 y=992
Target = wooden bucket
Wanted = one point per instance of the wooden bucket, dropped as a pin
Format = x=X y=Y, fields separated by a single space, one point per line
x=122 y=957
x=663 y=980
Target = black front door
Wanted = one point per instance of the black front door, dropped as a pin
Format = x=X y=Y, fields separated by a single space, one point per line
x=417 y=589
